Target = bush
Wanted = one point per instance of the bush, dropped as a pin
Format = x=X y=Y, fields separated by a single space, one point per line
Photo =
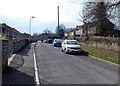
x=98 y=39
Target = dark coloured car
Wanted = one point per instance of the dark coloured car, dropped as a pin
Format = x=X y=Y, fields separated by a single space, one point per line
x=45 y=41
x=57 y=42
x=49 y=41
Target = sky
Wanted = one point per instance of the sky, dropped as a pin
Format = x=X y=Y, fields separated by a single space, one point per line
x=17 y=13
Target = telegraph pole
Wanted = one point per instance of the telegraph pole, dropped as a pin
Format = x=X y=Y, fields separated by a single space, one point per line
x=30 y=24
x=58 y=16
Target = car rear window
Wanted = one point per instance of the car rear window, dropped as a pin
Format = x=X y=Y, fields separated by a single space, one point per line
x=72 y=42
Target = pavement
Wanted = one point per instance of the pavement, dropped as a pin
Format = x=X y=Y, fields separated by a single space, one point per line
x=20 y=71
x=56 y=67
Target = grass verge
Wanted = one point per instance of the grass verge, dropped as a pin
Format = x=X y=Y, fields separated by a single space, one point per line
x=103 y=55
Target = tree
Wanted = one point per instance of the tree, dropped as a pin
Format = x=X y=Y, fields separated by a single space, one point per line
x=48 y=31
x=104 y=11
x=95 y=10
x=60 y=31
x=35 y=36
x=87 y=15
x=98 y=12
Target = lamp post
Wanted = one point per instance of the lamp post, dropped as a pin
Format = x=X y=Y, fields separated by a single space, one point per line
x=30 y=24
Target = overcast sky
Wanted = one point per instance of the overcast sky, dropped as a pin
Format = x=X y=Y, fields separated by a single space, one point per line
x=17 y=13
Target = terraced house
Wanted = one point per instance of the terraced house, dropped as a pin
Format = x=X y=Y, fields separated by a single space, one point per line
x=92 y=28
x=83 y=30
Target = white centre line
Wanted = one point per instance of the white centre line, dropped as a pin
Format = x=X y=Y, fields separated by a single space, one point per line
x=36 y=69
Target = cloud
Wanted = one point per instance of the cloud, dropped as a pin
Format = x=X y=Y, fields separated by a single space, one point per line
x=44 y=10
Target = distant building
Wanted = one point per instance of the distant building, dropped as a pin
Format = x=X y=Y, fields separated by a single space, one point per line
x=70 y=32
x=46 y=36
x=79 y=31
x=94 y=28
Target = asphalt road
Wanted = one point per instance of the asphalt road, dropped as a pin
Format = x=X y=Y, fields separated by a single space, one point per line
x=21 y=69
x=56 y=67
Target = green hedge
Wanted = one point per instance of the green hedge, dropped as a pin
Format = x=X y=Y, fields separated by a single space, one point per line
x=98 y=39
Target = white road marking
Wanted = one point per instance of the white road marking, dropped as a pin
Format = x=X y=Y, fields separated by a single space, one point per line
x=36 y=70
x=11 y=58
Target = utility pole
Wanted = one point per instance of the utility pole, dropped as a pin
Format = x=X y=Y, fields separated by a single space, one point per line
x=58 y=21
x=58 y=16
x=30 y=24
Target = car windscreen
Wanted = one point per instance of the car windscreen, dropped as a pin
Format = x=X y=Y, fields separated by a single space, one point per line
x=72 y=42
x=58 y=41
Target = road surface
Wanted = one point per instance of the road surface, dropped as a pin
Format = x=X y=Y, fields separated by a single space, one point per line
x=56 y=67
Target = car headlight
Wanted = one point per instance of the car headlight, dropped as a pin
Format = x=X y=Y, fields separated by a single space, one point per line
x=68 y=48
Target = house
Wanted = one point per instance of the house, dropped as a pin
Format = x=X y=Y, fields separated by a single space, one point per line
x=94 y=28
x=102 y=28
x=79 y=31
x=5 y=31
x=16 y=34
x=69 y=32
x=86 y=29
x=72 y=32
x=66 y=33
x=83 y=30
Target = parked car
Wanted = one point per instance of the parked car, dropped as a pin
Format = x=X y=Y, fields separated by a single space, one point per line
x=57 y=42
x=44 y=41
x=71 y=46
x=50 y=41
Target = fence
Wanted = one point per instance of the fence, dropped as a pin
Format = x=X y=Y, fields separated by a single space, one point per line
x=4 y=52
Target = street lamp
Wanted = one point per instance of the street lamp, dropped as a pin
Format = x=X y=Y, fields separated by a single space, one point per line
x=30 y=24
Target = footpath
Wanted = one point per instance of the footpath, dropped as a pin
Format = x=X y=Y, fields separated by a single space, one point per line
x=21 y=69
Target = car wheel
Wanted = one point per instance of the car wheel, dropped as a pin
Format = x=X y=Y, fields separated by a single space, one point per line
x=62 y=50
x=65 y=51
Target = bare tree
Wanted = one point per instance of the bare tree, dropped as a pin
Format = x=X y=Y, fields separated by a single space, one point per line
x=98 y=12
x=87 y=15
x=60 y=31
x=35 y=36
x=48 y=31
x=95 y=10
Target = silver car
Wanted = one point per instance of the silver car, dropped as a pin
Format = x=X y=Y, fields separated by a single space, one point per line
x=71 y=46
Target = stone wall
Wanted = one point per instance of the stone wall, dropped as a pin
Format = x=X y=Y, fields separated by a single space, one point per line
x=4 y=53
